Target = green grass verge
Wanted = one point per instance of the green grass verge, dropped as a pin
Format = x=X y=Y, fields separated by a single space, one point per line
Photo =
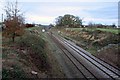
x=112 y=30
x=34 y=28
x=115 y=31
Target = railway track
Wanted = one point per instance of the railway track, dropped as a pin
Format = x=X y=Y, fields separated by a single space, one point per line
x=89 y=66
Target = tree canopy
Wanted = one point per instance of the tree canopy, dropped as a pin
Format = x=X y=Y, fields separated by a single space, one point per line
x=14 y=22
x=68 y=21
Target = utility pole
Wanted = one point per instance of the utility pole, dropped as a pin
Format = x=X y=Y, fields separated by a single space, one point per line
x=2 y=22
x=2 y=18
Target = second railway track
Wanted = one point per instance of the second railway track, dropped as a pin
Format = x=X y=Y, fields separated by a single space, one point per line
x=88 y=65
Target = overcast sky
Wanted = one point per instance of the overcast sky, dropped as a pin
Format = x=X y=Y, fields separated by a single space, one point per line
x=45 y=11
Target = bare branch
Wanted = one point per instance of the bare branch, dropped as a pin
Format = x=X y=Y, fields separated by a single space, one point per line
x=15 y=21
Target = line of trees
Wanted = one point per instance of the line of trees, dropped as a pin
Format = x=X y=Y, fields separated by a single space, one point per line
x=93 y=25
x=72 y=21
x=68 y=21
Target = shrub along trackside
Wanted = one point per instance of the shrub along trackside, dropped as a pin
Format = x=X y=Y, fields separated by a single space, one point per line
x=36 y=46
x=27 y=53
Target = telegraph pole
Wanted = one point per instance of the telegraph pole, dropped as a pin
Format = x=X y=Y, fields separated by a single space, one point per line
x=2 y=22
x=2 y=17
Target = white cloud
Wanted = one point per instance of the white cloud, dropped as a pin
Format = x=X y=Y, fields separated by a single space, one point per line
x=65 y=0
x=40 y=19
x=45 y=13
x=100 y=20
x=68 y=0
x=61 y=10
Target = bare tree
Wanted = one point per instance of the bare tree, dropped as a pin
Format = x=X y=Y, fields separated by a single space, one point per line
x=14 y=22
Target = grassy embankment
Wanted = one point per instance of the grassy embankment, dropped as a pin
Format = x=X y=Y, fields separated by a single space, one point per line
x=111 y=30
x=26 y=51
x=28 y=54
x=96 y=33
x=92 y=39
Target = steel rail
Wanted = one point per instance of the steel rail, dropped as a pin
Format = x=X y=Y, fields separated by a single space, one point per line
x=94 y=60
x=75 y=59
x=82 y=50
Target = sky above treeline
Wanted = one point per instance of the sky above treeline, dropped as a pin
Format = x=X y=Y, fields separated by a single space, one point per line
x=45 y=11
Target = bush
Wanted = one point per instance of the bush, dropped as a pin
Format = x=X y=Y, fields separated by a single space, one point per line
x=37 y=46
